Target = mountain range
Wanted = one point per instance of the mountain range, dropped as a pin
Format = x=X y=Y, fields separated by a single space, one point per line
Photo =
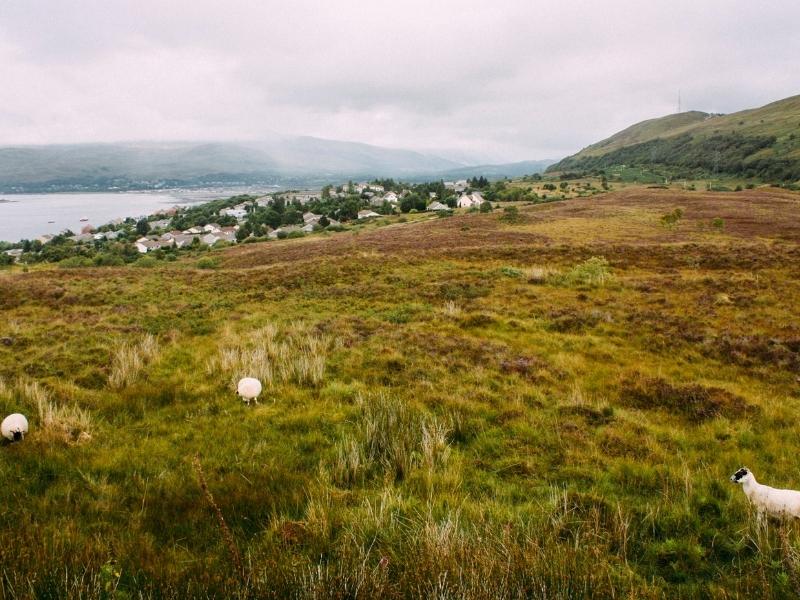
x=281 y=160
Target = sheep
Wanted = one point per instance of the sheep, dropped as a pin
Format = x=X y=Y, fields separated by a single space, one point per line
x=779 y=503
x=249 y=389
x=14 y=427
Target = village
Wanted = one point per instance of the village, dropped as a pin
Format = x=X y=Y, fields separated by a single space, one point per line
x=278 y=215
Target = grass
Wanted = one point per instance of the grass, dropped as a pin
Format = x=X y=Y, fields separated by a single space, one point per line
x=472 y=407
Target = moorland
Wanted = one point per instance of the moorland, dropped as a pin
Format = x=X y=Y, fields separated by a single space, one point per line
x=542 y=401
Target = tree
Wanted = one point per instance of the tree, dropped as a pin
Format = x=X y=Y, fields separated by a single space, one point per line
x=142 y=227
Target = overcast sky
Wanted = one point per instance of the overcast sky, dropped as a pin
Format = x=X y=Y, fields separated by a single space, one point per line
x=492 y=80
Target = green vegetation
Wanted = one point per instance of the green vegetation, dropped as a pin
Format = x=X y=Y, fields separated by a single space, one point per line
x=762 y=143
x=543 y=406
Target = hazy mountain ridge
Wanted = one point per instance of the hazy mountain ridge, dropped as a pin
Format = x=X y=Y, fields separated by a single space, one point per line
x=284 y=160
x=761 y=142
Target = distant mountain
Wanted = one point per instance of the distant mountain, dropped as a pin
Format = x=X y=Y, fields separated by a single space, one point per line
x=152 y=165
x=762 y=142
x=516 y=169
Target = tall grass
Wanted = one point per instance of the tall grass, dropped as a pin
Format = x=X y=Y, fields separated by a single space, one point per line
x=129 y=360
x=390 y=438
x=294 y=354
x=67 y=423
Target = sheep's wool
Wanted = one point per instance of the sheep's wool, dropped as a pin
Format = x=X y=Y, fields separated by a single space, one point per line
x=14 y=426
x=249 y=388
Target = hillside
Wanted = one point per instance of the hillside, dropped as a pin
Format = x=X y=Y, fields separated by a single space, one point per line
x=280 y=160
x=762 y=142
x=541 y=403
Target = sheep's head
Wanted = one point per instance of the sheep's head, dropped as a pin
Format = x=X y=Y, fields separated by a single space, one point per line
x=18 y=436
x=741 y=475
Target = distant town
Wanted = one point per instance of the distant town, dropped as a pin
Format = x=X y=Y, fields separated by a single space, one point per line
x=250 y=218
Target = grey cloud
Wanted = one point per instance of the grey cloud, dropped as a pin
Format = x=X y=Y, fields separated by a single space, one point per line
x=496 y=80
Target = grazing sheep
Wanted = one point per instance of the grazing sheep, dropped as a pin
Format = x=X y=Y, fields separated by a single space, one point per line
x=249 y=389
x=779 y=503
x=14 y=427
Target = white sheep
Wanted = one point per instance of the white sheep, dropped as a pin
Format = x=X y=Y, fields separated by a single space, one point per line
x=249 y=389
x=14 y=427
x=765 y=499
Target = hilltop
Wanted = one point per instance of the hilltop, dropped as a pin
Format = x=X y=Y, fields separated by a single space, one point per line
x=540 y=401
x=762 y=143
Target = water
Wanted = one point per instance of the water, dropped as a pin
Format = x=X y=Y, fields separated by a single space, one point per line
x=28 y=216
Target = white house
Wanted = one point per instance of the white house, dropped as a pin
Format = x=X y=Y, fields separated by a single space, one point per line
x=367 y=214
x=436 y=205
x=470 y=200
x=390 y=197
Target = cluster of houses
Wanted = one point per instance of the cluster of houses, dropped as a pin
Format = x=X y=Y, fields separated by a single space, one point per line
x=212 y=233
x=207 y=235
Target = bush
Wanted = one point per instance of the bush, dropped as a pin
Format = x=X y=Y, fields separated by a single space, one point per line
x=510 y=215
x=75 y=262
x=592 y=272
x=146 y=262
x=108 y=260
x=295 y=234
x=207 y=262
x=670 y=219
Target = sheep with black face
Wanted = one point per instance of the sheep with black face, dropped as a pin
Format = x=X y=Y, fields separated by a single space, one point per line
x=766 y=499
x=14 y=427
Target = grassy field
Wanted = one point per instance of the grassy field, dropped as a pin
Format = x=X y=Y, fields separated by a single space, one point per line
x=541 y=403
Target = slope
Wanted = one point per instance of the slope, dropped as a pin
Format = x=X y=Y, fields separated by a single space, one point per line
x=762 y=142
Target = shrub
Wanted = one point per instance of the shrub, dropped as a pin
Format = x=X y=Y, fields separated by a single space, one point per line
x=593 y=272
x=207 y=262
x=108 y=260
x=718 y=223
x=146 y=262
x=510 y=215
x=671 y=219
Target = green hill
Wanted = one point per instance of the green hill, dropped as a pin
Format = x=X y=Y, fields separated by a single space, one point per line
x=762 y=142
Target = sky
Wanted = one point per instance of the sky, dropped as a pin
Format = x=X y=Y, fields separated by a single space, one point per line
x=478 y=81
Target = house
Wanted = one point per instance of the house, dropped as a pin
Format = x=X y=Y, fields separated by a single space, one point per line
x=194 y=231
x=367 y=214
x=390 y=197
x=161 y=224
x=309 y=217
x=435 y=205
x=432 y=195
x=236 y=213
x=144 y=245
x=14 y=253
x=469 y=201
x=182 y=240
x=264 y=201
x=211 y=228
x=112 y=235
